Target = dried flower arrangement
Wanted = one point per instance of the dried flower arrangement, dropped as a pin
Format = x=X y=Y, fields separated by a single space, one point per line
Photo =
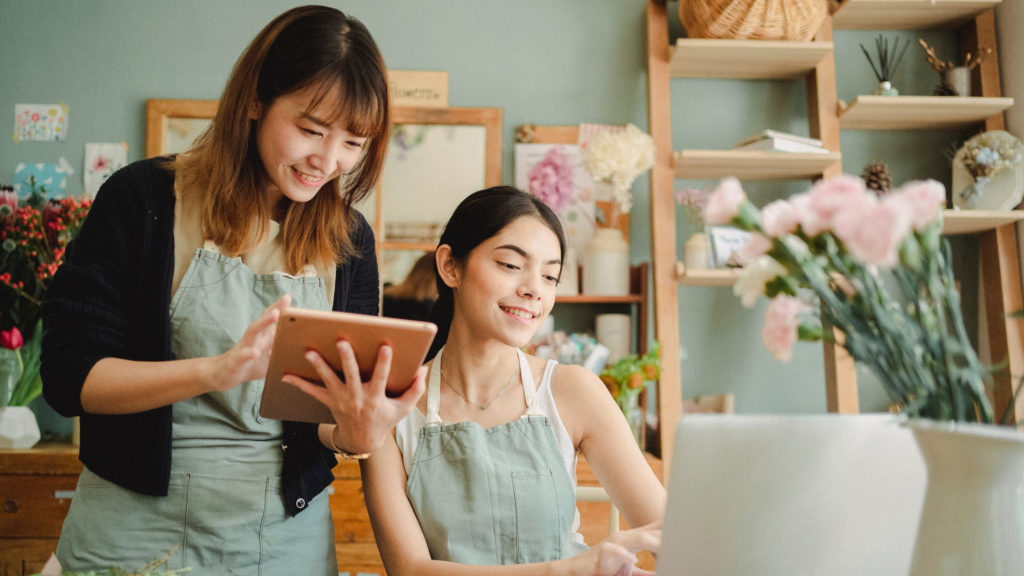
x=990 y=153
x=619 y=157
x=985 y=156
x=948 y=86
x=693 y=202
x=970 y=61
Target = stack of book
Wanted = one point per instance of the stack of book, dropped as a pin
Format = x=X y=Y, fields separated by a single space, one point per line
x=775 y=141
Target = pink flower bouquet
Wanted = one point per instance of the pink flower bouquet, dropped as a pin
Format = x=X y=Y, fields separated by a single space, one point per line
x=881 y=271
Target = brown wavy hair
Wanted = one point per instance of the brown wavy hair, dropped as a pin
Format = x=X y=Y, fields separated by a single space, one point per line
x=309 y=47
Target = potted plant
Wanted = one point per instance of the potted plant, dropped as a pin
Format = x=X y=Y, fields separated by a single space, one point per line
x=626 y=379
x=34 y=234
x=878 y=270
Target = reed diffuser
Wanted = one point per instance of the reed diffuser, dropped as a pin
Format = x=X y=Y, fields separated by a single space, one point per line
x=889 y=56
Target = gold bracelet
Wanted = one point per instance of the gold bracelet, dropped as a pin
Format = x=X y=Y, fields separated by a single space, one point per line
x=345 y=454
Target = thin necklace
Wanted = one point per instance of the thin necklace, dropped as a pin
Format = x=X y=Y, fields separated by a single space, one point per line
x=485 y=405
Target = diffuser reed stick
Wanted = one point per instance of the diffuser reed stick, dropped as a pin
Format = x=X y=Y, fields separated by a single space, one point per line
x=889 y=57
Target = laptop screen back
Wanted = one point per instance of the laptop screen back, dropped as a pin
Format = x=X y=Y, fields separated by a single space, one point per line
x=818 y=495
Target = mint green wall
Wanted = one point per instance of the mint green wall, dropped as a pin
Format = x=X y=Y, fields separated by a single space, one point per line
x=542 y=61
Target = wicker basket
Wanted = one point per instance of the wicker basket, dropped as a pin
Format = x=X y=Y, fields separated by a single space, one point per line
x=753 y=19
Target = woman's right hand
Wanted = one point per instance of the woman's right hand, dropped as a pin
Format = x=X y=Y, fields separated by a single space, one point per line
x=249 y=357
x=616 y=554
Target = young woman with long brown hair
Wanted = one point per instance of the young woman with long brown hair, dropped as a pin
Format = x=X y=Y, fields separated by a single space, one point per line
x=159 y=324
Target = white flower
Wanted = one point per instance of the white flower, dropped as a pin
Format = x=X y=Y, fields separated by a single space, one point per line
x=619 y=157
x=755 y=275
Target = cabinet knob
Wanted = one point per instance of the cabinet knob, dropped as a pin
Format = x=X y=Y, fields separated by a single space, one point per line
x=11 y=506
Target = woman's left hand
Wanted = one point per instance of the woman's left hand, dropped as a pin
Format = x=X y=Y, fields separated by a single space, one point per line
x=362 y=411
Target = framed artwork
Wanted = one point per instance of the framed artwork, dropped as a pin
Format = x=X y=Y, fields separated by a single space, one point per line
x=555 y=174
x=723 y=242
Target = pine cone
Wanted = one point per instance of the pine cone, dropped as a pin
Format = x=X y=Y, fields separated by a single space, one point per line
x=943 y=89
x=877 y=177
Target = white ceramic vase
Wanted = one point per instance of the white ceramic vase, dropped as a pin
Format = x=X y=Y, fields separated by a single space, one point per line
x=18 y=428
x=606 y=264
x=959 y=79
x=696 y=253
x=972 y=516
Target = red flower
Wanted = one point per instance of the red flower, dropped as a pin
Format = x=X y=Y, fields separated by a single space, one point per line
x=11 y=339
x=51 y=221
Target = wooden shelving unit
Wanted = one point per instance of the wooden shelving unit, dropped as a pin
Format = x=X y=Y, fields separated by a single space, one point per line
x=767 y=60
x=908 y=14
x=752 y=165
x=814 y=61
x=919 y=112
x=974 y=20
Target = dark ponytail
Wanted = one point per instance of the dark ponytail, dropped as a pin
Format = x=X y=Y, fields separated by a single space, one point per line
x=481 y=216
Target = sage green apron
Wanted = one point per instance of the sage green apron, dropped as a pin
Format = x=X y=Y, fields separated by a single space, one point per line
x=500 y=495
x=224 y=510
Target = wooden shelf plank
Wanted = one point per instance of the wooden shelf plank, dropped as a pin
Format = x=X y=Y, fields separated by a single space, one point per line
x=715 y=277
x=975 y=221
x=954 y=222
x=408 y=245
x=745 y=59
x=751 y=164
x=868 y=112
x=591 y=299
x=908 y=14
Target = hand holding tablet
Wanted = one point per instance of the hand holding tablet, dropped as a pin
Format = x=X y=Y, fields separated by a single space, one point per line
x=300 y=330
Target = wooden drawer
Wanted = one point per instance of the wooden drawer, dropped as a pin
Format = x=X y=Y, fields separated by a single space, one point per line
x=34 y=506
x=24 y=557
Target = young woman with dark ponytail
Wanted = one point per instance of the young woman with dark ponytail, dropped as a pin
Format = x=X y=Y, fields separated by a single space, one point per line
x=483 y=472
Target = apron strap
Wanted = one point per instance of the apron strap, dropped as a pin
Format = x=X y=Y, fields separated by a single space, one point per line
x=529 y=387
x=434 y=391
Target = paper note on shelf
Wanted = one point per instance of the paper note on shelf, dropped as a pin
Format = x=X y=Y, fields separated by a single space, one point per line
x=779 y=136
x=781 y=145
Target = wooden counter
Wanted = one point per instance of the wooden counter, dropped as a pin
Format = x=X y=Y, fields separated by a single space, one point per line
x=36 y=487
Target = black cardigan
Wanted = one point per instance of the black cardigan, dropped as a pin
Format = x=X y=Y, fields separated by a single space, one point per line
x=111 y=298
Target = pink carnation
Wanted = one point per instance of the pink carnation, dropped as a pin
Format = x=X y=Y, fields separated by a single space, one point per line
x=780 y=325
x=827 y=198
x=724 y=203
x=757 y=246
x=551 y=180
x=873 y=232
x=780 y=218
x=923 y=199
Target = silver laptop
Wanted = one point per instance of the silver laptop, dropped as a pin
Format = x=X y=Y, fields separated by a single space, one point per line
x=821 y=495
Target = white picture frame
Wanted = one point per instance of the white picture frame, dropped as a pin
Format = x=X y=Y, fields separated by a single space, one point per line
x=723 y=241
